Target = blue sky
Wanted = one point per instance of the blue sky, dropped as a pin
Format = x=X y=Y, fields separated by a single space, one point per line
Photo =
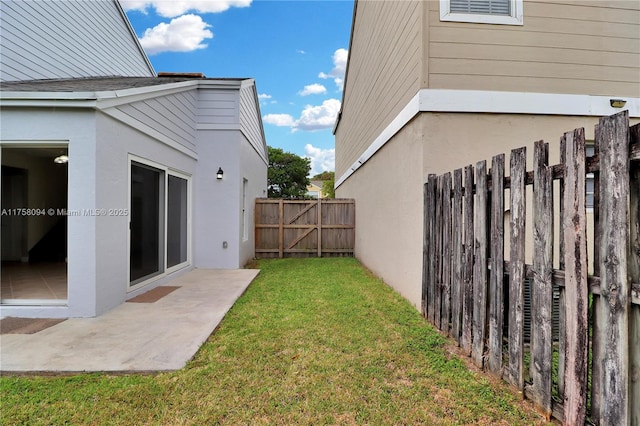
x=295 y=50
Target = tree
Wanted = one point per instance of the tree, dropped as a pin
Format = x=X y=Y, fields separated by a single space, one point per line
x=328 y=190
x=328 y=182
x=287 y=175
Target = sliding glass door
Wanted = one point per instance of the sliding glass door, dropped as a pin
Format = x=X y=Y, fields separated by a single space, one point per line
x=177 y=224
x=159 y=227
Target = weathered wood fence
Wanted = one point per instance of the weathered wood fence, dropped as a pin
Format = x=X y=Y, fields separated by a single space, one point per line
x=304 y=228
x=589 y=371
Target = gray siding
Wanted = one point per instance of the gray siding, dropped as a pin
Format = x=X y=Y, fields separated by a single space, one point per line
x=218 y=107
x=383 y=75
x=171 y=115
x=250 y=121
x=67 y=39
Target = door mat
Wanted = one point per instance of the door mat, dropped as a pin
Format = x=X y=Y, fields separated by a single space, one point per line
x=15 y=325
x=154 y=295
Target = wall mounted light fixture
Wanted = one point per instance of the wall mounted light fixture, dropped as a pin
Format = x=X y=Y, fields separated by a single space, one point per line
x=219 y=174
x=617 y=103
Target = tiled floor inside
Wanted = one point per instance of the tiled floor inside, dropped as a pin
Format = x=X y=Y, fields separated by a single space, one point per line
x=33 y=281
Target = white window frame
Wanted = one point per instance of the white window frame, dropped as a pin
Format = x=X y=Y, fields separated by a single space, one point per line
x=516 y=17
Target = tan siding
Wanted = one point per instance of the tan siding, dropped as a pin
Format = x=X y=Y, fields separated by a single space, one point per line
x=384 y=73
x=581 y=47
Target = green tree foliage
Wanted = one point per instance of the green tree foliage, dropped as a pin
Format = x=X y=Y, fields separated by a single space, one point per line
x=324 y=176
x=328 y=191
x=288 y=174
x=328 y=182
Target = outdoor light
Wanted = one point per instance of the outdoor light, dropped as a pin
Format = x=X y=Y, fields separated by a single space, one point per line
x=617 y=103
x=219 y=174
x=61 y=159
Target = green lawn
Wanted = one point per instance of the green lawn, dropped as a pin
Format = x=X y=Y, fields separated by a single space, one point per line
x=312 y=341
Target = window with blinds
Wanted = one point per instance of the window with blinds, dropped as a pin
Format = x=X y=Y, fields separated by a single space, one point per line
x=506 y=12
x=487 y=7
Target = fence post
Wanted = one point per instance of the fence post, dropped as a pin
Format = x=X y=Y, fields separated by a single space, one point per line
x=432 y=248
x=319 y=227
x=577 y=295
x=425 y=246
x=480 y=266
x=634 y=275
x=613 y=314
x=467 y=273
x=439 y=231
x=518 y=166
x=457 y=231
x=446 y=253
x=542 y=288
x=281 y=229
x=496 y=279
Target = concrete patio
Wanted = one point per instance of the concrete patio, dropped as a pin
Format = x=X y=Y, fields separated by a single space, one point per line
x=133 y=337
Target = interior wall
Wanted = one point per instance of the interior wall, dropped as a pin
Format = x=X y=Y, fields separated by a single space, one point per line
x=46 y=188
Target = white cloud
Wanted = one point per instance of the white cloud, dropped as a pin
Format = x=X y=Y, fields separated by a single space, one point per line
x=280 y=120
x=182 y=34
x=313 y=89
x=312 y=118
x=264 y=96
x=322 y=160
x=173 y=8
x=319 y=117
x=339 y=67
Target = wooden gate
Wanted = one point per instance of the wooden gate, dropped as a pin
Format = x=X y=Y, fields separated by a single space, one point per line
x=304 y=228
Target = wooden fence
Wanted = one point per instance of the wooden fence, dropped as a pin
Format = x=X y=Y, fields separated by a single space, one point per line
x=304 y=228
x=474 y=289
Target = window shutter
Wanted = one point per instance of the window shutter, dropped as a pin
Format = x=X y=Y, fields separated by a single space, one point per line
x=487 y=7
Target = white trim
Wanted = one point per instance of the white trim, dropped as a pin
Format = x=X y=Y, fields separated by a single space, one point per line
x=516 y=17
x=493 y=102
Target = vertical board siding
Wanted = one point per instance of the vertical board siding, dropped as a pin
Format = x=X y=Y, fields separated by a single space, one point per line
x=36 y=36
x=304 y=228
x=464 y=244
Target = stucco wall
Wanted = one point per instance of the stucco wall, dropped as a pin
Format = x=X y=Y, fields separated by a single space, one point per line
x=388 y=193
x=77 y=128
x=254 y=169
x=115 y=143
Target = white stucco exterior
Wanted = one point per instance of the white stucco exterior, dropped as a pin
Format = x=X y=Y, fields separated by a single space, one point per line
x=101 y=143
